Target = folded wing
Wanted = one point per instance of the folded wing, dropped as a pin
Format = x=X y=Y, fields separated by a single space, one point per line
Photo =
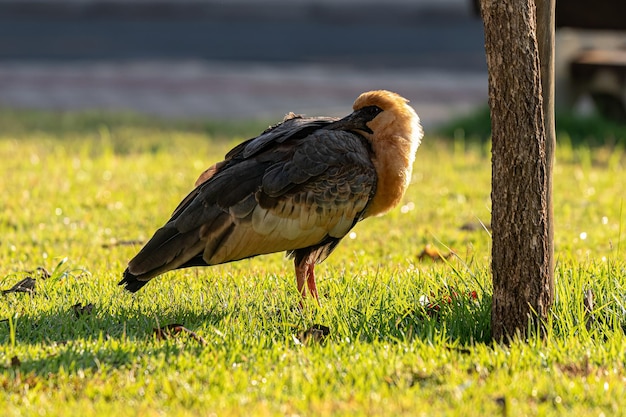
x=296 y=186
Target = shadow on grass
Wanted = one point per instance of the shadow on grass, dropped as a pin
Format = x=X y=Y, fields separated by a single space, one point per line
x=458 y=319
x=86 y=341
x=74 y=342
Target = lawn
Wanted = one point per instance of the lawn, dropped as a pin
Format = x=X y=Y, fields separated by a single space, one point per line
x=405 y=298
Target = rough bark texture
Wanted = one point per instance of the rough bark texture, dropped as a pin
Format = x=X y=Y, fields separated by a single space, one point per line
x=521 y=251
x=546 y=18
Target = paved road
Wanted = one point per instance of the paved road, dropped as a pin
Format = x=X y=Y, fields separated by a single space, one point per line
x=240 y=62
x=389 y=35
x=233 y=91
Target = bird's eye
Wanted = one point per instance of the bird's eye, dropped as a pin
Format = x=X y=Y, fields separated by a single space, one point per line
x=372 y=111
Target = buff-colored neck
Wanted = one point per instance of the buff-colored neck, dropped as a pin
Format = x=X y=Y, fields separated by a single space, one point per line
x=394 y=165
x=395 y=135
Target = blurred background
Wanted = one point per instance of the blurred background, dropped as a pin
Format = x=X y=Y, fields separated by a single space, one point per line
x=254 y=59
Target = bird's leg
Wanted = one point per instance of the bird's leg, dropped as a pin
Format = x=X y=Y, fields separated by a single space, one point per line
x=310 y=280
x=305 y=272
x=300 y=276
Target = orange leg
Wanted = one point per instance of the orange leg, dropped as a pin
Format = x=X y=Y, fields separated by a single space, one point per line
x=310 y=280
x=305 y=272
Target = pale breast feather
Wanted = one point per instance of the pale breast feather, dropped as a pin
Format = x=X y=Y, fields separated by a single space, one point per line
x=327 y=183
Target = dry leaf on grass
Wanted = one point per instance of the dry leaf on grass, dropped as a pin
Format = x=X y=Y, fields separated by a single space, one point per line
x=165 y=332
x=432 y=253
x=80 y=310
x=25 y=285
x=15 y=362
x=28 y=283
x=316 y=333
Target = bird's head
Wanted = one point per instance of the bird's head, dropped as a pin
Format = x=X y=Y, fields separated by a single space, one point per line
x=383 y=115
x=393 y=129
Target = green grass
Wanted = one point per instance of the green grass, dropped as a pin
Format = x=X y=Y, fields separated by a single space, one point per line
x=407 y=335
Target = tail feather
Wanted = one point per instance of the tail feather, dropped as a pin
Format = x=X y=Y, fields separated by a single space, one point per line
x=167 y=250
x=131 y=283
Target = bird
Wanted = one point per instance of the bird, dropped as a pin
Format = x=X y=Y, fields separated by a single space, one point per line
x=298 y=187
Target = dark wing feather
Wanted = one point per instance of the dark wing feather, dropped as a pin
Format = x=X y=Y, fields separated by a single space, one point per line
x=303 y=187
x=293 y=128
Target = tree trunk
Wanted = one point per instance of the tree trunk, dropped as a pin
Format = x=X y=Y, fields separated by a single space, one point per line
x=521 y=177
x=546 y=22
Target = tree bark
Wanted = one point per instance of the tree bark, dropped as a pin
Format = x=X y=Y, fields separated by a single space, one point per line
x=546 y=24
x=521 y=177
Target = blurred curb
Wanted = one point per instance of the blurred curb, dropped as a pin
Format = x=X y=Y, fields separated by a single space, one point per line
x=397 y=11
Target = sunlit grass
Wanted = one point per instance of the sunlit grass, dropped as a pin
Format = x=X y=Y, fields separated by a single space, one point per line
x=408 y=335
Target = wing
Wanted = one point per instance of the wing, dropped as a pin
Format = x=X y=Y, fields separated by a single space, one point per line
x=269 y=195
x=318 y=192
x=293 y=127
